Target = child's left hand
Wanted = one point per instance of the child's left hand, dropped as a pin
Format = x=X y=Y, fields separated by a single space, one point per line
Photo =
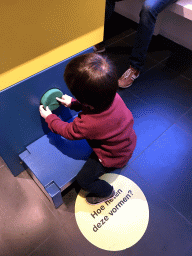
x=44 y=113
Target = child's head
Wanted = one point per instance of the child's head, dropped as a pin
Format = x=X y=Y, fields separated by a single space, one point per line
x=92 y=79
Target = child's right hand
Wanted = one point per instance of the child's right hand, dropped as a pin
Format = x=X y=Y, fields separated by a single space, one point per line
x=65 y=100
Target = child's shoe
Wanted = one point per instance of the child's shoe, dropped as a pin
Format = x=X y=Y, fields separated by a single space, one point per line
x=92 y=199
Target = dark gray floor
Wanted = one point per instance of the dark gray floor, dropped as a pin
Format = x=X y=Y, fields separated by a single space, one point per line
x=161 y=103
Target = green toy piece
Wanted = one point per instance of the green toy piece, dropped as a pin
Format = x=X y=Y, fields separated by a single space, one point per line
x=49 y=99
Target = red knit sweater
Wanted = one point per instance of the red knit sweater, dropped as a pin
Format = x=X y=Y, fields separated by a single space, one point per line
x=110 y=133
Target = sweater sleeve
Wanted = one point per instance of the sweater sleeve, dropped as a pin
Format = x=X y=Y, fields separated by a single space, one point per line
x=70 y=131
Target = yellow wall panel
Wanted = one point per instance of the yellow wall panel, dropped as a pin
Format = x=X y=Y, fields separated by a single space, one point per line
x=37 y=34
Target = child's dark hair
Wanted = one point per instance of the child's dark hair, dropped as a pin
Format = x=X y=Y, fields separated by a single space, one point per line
x=92 y=79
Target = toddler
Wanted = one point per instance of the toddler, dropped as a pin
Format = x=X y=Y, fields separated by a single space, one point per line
x=104 y=121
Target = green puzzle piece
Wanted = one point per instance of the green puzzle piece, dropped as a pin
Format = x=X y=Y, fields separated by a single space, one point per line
x=49 y=99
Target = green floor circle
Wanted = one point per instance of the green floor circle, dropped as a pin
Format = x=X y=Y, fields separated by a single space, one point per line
x=116 y=224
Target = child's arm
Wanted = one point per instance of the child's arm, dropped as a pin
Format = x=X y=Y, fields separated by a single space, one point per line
x=71 y=131
x=44 y=112
x=69 y=102
x=65 y=100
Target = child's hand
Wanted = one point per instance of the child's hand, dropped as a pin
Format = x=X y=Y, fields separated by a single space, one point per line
x=65 y=100
x=44 y=113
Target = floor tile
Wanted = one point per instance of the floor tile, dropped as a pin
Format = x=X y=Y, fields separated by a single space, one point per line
x=120 y=24
x=188 y=251
x=168 y=233
x=131 y=101
x=26 y=222
x=119 y=53
x=150 y=120
x=167 y=165
x=1 y=162
x=180 y=61
x=129 y=40
x=113 y=40
x=159 y=49
x=79 y=241
x=66 y=211
x=149 y=124
x=60 y=243
x=168 y=90
x=118 y=48
x=185 y=121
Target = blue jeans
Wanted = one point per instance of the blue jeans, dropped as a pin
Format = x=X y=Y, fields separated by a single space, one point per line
x=148 y=17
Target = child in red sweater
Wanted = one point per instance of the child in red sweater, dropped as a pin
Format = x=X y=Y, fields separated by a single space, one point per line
x=104 y=121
